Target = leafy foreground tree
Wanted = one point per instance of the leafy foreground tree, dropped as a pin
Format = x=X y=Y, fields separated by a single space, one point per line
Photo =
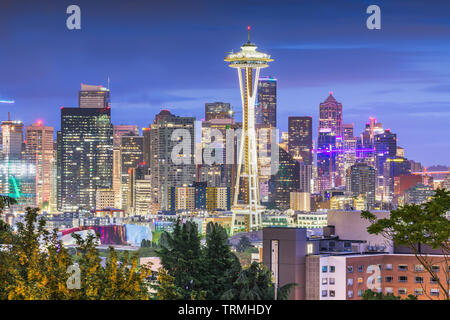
x=35 y=264
x=417 y=225
x=181 y=256
x=211 y=272
x=372 y=295
x=255 y=283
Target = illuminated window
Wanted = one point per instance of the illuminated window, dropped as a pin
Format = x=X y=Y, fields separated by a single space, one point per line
x=309 y=248
x=418 y=268
x=402 y=291
x=434 y=292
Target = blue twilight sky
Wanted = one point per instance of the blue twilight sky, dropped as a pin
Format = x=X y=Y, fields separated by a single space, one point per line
x=169 y=54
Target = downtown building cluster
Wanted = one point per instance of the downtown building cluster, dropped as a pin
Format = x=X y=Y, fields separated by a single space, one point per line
x=99 y=175
x=94 y=165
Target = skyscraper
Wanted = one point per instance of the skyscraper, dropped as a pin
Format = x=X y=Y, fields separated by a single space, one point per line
x=326 y=159
x=93 y=97
x=12 y=138
x=361 y=182
x=123 y=130
x=266 y=109
x=39 y=150
x=347 y=130
x=86 y=151
x=164 y=171
x=330 y=115
x=385 y=148
x=300 y=139
x=285 y=181
x=131 y=155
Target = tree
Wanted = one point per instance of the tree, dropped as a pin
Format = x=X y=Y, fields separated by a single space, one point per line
x=119 y=279
x=167 y=289
x=255 y=283
x=5 y=202
x=220 y=265
x=35 y=262
x=34 y=266
x=417 y=225
x=212 y=271
x=372 y=295
x=180 y=255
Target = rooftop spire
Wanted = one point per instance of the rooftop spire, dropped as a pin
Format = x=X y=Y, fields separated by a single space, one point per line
x=248 y=30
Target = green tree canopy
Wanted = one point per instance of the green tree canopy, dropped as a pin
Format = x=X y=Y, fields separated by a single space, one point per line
x=416 y=225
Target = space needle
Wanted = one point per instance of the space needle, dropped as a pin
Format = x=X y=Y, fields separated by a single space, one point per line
x=248 y=62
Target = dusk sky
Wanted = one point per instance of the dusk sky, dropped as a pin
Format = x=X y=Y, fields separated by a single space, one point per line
x=169 y=54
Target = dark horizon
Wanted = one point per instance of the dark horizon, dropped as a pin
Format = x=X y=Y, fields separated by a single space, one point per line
x=170 y=55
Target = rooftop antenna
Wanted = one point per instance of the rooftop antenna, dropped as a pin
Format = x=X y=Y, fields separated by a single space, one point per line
x=9 y=116
x=108 y=82
x=248 y=30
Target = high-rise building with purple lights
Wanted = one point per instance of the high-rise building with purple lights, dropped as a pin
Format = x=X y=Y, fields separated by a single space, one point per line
x=326 y=159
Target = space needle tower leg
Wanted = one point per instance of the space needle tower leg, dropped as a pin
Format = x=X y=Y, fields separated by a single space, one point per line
x=248 y=63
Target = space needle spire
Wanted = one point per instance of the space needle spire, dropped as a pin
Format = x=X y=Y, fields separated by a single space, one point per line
x=248 y=62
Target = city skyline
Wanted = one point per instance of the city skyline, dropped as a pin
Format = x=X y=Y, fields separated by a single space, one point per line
x=406 y=88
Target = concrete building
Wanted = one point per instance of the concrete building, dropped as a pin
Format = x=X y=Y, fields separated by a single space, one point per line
x=300 y=201
x=284 y=254
x=165 y=171
x=105 y=198
x=39 y=150
x=350 y=225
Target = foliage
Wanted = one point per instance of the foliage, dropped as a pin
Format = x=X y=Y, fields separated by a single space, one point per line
x=220 y=265
x=255 y=283
x=212 y=271
x=6 y=201
x=167 y=289
x=416 y=225
x=372 y=295
x=181 y=256
x=34 y=266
